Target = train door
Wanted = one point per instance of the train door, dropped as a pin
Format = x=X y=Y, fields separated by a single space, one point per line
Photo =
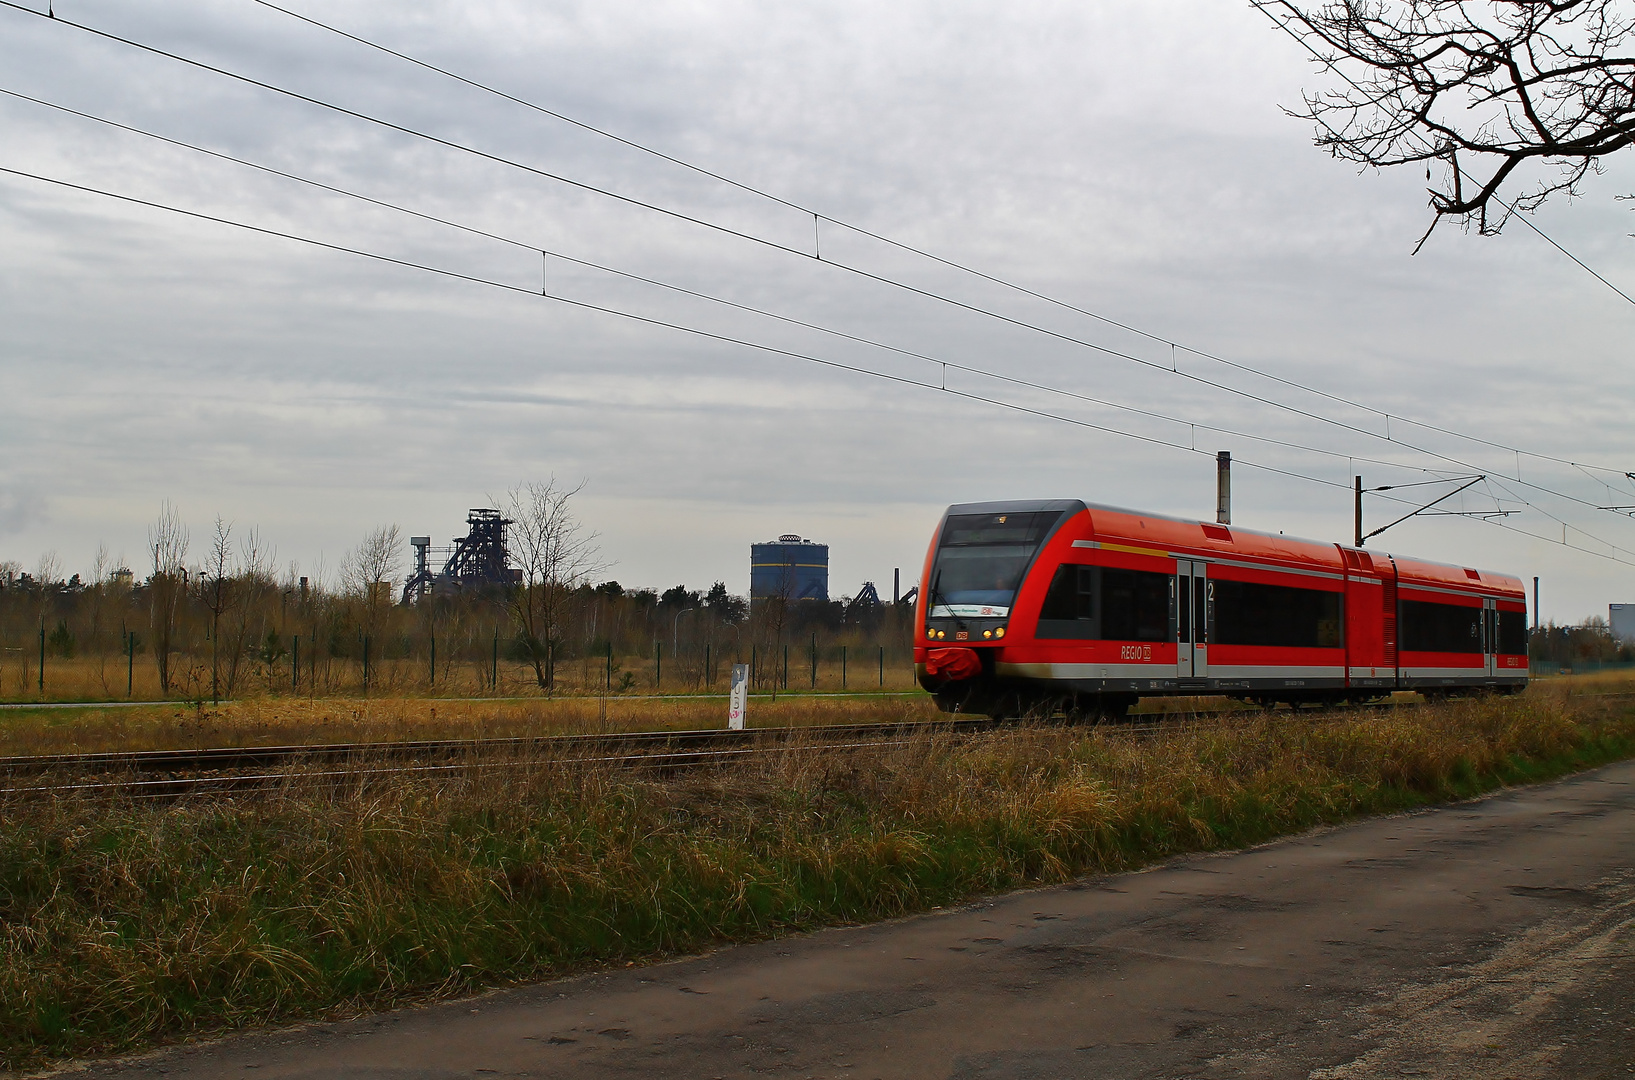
x=1392 y=610
x=1490 y=636
x=1191 y=619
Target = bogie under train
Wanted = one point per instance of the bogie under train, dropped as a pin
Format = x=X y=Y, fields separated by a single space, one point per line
x=1029 y=607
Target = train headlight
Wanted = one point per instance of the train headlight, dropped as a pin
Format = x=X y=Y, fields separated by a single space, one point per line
x=987 y=633
x=999 y=631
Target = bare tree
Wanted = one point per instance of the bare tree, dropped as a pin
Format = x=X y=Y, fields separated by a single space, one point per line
x=48 y=574
x=217 y=590
x=96 y=598
x=1477 y=88
x=253 y=584
x=556 y=555
x=167 y=544
x=369 y=570
x=769 y=620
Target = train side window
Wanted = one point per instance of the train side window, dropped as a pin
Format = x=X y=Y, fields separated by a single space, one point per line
x=1513 y=633
x=1102 y=603
x=1072 y=594
x=1449 y=628
x=1248 y=613
x=1134 y=605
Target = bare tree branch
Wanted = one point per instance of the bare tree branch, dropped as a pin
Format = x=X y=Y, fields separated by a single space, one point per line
x=368 y=571
x=1479 y=88
x=167 y=544
x=556 y=555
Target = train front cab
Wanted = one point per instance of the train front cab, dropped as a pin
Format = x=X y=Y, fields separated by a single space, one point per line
x=1095 y=607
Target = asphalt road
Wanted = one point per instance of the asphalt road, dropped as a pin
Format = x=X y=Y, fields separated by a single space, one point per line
x=1490 y=939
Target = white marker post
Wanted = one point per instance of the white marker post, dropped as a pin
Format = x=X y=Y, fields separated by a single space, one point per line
x=739 y=701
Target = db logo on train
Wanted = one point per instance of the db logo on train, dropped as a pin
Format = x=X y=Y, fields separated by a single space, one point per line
x=1135 y=652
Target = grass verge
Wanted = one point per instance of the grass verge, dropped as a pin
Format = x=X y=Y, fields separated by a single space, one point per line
x=125 y=925
x=284 y=721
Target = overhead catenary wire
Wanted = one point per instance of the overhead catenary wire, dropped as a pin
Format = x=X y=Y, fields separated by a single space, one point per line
x=724 y=339
x=743 y=307
x=1462 y=464
x=477 y=279
x=953 y=263
x=868 y=275
x=1193 y=426
x=547 y=253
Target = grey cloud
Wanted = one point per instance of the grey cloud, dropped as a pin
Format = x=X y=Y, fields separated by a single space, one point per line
x=1129 y=158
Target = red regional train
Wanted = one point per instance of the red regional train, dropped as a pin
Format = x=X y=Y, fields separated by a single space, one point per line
x=1029 y=607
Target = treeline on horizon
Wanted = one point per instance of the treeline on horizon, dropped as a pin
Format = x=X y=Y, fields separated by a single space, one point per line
x=228 y=622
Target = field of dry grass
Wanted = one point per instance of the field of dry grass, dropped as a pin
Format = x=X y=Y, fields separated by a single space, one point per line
x=288 y=721
x=112 y=678
x=125 y=924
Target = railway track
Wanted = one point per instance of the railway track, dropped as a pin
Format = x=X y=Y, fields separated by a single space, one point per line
x=314 y=753
x=171 y=773
x=179 y=773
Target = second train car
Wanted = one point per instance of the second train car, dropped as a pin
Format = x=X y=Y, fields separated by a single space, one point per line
x=1037 y=606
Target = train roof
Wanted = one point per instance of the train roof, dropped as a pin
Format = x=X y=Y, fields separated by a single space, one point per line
x=1163 y=531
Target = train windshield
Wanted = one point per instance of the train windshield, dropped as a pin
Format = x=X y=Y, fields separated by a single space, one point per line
x=981 y=559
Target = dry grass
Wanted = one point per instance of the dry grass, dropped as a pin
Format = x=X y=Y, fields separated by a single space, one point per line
x=288 y=721
x=128 y=924
x=1610 y=681
x=109 y=678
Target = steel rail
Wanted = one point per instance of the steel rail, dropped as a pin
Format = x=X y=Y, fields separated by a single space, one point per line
x=224 y=757
x=631 y=747
x=643 y=749
x=175 y=787
x=230 y=757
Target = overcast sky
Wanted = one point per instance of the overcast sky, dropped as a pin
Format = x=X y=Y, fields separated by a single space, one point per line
x=1131 y=159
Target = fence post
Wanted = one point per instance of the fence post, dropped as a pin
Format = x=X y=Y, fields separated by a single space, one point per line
x=431 y=683
x=814 y=661
x=709 y=683
x=882 y=665
x=843 y=667
x=366 y=663
x=658 y=664
x=785 y=665
x=752 y=664
x=608 y=684
x=42 y=656
x=130 y=663
x=295 y=667
x=496 y=661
